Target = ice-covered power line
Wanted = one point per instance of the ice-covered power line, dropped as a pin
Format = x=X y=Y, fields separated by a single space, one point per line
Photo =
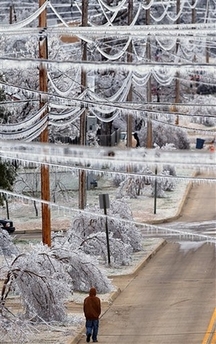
x=135 y=31
x=100 y=156
x=25 y=22
x=163 y=74
x=108 y=14
x=148 y=228
x=97 y=105
x=129 y=30
x=25 y=63
x=29 y=133
x=125 y=32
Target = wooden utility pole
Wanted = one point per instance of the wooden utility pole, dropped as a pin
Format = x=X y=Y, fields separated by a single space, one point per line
x=149 y=96
x=207 y=48
x=193 y=20
x=44 y=137
x=129 y=60
x=193 y=14
x=12 y=15
x=82 y=173
x=177 y=84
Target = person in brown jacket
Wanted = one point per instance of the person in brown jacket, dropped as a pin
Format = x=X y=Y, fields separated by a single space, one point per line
x=92 y=311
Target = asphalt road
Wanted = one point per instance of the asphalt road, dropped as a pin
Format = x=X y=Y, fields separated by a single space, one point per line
x=170 y=301
x=200 y=204
x=198 y=214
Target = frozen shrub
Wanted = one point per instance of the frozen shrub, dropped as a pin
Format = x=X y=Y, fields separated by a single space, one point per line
x=165 y=134
x=7 y=247
x=120 y=253
x=170 y=169
x=118 y=179
x=132 y=186
x=162 y=184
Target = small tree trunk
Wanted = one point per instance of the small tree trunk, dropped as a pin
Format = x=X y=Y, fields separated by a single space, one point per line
x=7 y=207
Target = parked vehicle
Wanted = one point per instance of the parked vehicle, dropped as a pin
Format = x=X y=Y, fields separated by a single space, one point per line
x=7 y=225
x=206 y=89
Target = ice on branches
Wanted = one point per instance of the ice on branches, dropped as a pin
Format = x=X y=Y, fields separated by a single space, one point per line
x=88 y=231
x=42 y=283
x=7 y=247
x=83 y=269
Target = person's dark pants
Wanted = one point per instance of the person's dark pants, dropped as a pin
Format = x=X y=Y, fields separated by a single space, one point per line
x=92 y=328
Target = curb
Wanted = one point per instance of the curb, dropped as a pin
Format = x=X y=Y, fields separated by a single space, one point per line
x=143 y=262
x=77 y=338
x=116 y=293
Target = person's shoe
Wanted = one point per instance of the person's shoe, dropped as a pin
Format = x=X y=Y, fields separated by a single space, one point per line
x=95 y=341
x=88 y=338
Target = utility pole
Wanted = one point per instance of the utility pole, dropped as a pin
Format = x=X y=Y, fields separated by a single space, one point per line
x=193 y=14
x=207 y=48
x=149 y=97
x=82 y=173
x=193 y=20
x=129 y=60
x=44 y=137
x=12 y=14
x=177 y=84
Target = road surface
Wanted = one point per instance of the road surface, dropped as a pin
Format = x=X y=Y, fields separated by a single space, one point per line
x=200 y=204
x=171 y=300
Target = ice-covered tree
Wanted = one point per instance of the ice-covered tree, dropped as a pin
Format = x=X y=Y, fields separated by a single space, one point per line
x=88 y=232
x=83 y=269
x=44 y=278
x=7 y=246
x=163 y=134
x=132 y=186
x=162 y=184
x=202 y=114
x=7 y=169
x=7 y=178
x=42 y=283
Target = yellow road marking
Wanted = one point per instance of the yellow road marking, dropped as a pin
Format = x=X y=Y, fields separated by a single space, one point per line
x=210 y=336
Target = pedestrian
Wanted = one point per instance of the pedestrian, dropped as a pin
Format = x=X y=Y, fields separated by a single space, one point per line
x=92 y=311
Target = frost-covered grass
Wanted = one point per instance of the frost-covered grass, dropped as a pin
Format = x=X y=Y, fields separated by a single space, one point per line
x=23 y=213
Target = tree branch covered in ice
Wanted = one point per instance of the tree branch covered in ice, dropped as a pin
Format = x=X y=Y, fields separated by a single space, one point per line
x=41 y=282
x=7 y=247
x=45 y=277
x=133 y=187
x=88 y=233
